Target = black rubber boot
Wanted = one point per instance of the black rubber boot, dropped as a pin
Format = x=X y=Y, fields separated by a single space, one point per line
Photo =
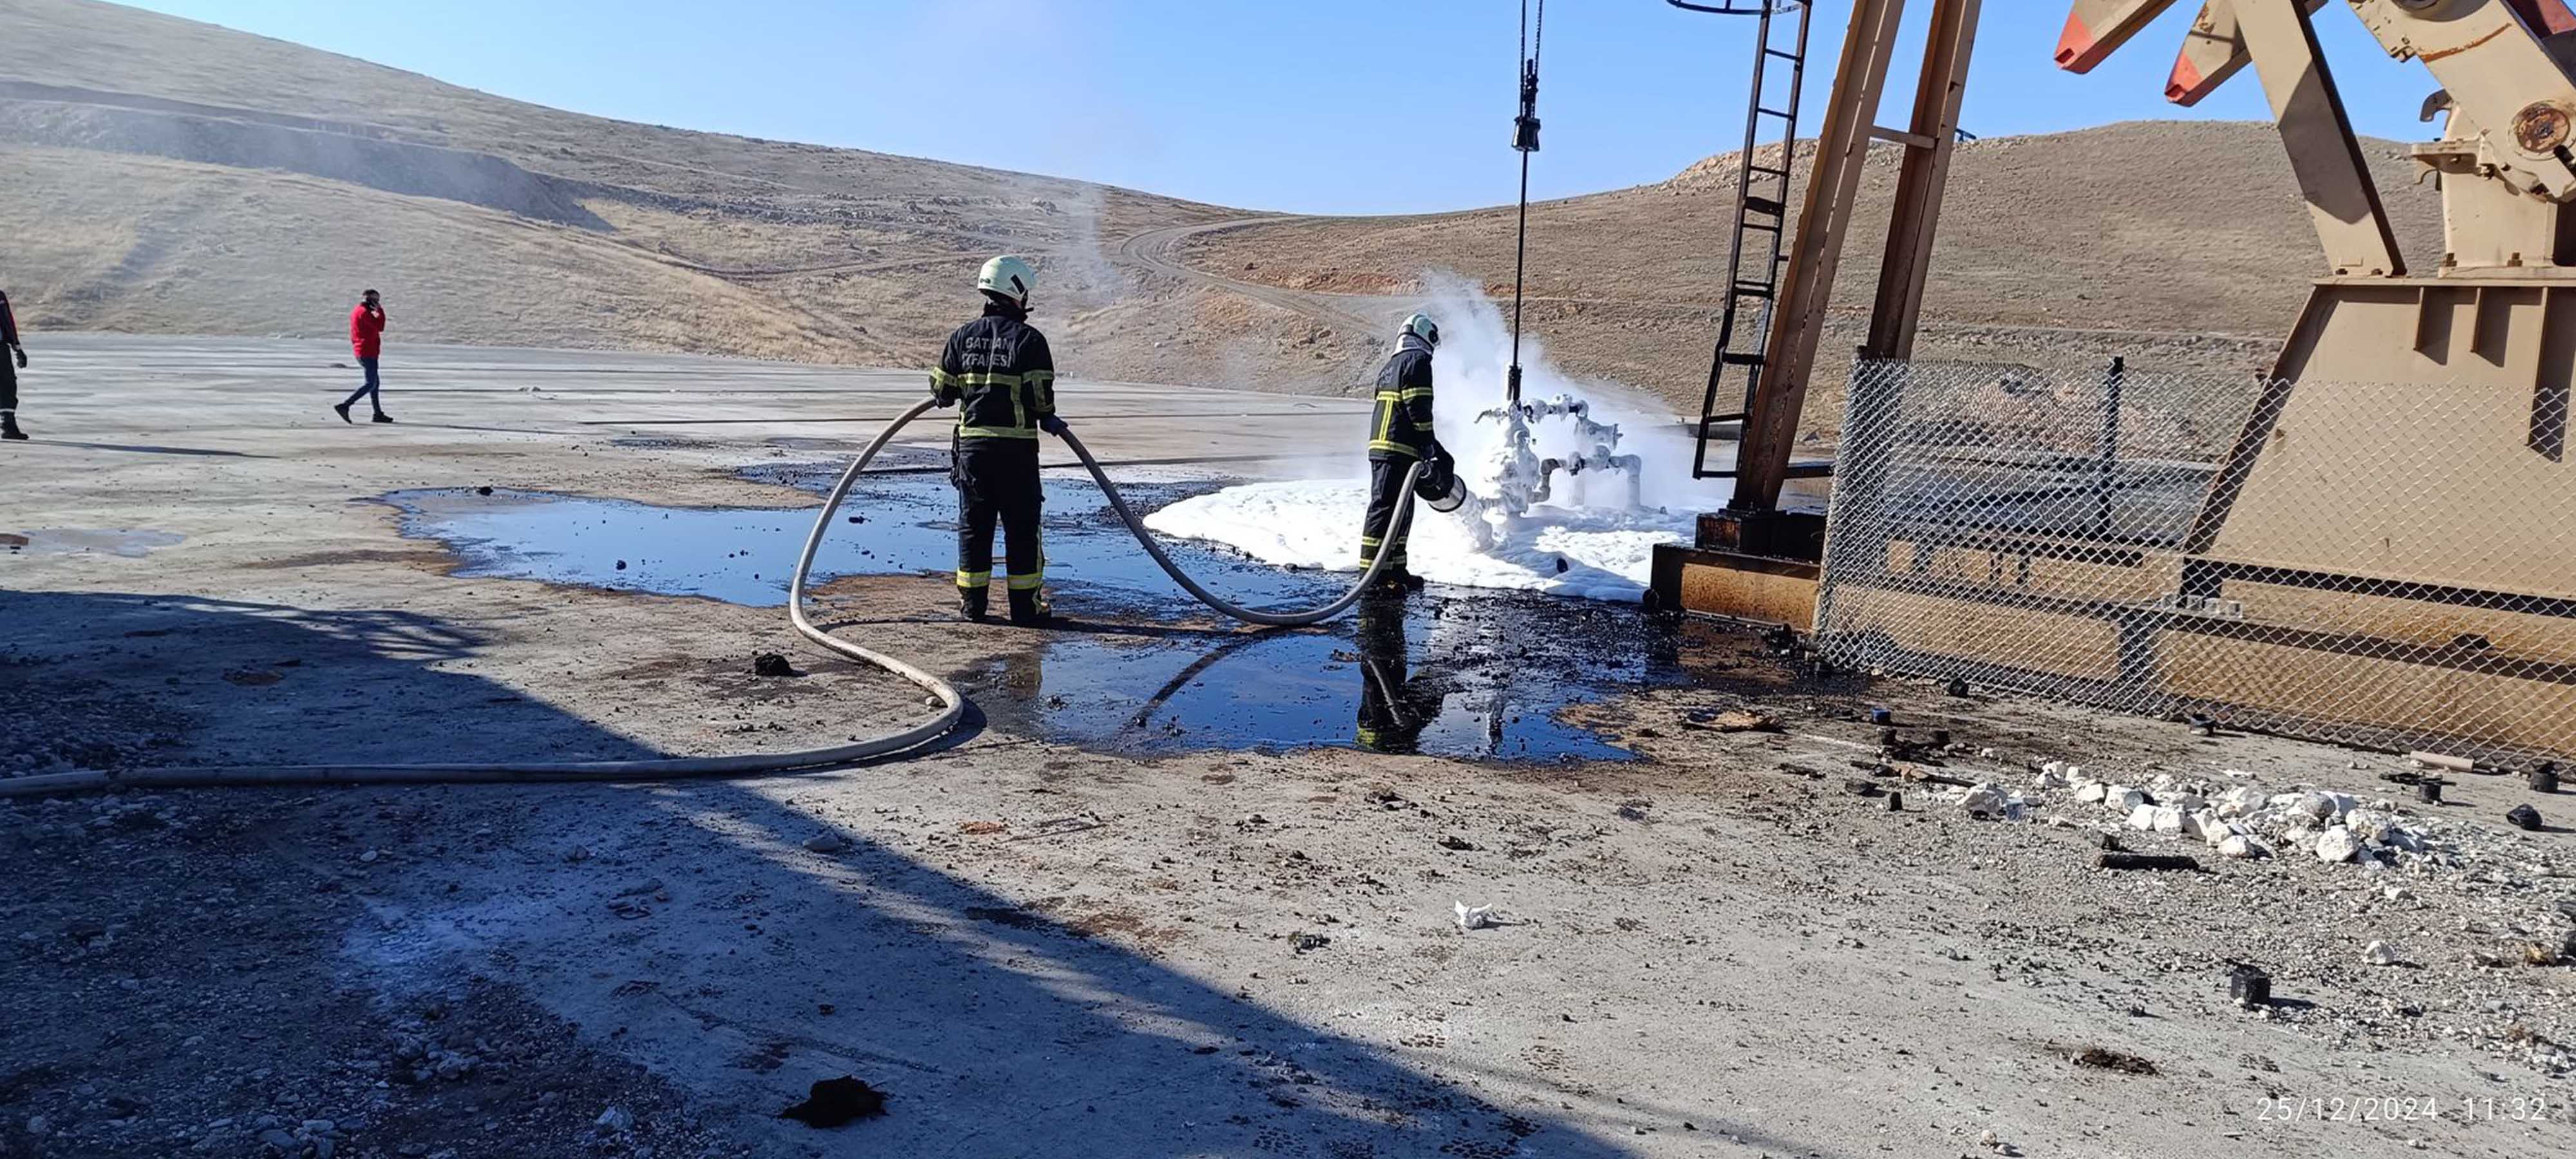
x=9 y=426
x=1396 y=581
x=1029 y=610
x=972 y=603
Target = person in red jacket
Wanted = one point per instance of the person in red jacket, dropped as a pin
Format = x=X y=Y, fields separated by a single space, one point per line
x=367 y=340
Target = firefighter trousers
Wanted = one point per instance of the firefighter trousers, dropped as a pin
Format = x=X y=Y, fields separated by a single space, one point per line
x=998 y=482
x=1386 y=497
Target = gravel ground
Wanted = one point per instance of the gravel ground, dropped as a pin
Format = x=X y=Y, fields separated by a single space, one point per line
x=1713 y=946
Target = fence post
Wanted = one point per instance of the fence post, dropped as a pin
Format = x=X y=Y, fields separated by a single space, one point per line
x=2107 y=479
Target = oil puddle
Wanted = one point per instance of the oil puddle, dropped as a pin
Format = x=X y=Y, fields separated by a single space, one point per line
x=1487 y=676
x=126 y=542
x=1468 y=674
x=905 y=524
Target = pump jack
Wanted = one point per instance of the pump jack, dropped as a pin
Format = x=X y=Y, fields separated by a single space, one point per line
x=2490 y=336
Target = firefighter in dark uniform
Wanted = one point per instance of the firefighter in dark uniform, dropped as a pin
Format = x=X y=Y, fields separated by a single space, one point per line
x=13 y=358
x=998 y=373
x=1399 y=436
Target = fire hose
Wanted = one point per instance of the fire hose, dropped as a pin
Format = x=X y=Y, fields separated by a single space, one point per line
x=902 y=743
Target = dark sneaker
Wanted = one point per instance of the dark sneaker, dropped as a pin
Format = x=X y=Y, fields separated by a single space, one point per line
x=342 y=409
x=381 y=417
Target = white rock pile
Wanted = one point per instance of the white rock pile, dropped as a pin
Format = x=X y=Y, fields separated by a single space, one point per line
x=2241 y=819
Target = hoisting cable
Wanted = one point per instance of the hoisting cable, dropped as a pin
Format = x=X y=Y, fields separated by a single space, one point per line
x=949 y=701
x=1524 y=139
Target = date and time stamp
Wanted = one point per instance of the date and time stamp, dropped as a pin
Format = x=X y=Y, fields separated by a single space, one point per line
x=2537 y=1109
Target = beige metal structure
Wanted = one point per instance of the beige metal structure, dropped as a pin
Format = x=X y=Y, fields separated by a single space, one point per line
x=2380 y=484
x=2495 y=325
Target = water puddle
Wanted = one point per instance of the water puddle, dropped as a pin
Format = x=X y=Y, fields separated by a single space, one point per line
x=905 y=524
x=1461 y=673
x=1483 y=676
x=131 y=544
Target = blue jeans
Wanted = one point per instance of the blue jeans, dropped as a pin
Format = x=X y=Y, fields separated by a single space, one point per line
x=371 y=391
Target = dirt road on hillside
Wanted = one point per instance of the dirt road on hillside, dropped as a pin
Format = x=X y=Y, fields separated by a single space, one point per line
x=1158 y=250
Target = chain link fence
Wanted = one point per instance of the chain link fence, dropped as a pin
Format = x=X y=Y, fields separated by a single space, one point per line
x=2387 y=566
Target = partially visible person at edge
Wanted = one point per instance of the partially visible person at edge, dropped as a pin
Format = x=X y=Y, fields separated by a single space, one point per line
x=1399 y=436
x=15 y=361
x=367 y=341
x=998 y=373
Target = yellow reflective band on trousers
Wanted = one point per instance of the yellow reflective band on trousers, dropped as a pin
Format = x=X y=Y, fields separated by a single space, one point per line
x=974 y=579
x=1034 y=580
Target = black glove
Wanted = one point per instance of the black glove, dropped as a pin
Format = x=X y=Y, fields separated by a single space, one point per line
x=1051 y=425
x=22 y=356
x=942 y=401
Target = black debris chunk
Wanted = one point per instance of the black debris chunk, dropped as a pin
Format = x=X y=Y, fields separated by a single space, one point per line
x=2249 y=987
x=835 y=1102
x=2111 y=859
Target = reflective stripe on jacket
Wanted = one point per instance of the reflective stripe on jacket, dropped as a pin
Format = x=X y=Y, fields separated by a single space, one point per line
x=999 y=372
x=1400 y=427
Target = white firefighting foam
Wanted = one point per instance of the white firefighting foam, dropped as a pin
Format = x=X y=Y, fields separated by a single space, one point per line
x=1584 y=542
x=1595 y=553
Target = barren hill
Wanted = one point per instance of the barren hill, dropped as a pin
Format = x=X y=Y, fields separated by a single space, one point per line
x=2181 y=241
x=165 y=175
x=169 y=175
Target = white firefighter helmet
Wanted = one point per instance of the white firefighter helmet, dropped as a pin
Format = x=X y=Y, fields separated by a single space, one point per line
x=1010 y=276
x=1421 y=326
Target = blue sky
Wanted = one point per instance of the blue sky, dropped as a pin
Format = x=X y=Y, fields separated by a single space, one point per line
x=1343 y=106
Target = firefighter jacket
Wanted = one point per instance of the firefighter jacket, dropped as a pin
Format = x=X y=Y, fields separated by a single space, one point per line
x=1400 y=427
x=997 y=369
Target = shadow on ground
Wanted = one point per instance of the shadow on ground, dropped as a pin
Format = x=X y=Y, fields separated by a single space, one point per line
x=684 y=923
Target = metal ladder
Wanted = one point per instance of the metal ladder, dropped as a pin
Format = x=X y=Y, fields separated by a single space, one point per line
x=1761 y=212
